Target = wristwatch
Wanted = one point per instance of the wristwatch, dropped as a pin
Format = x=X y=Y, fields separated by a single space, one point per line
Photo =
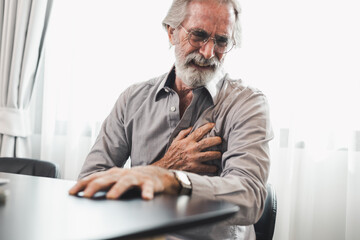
x=184 y=181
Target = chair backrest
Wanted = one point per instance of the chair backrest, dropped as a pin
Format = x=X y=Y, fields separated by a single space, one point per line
x=264 y=228
x=28 y=167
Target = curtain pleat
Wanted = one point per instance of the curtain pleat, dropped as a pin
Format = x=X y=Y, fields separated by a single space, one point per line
x=23 y=27
x=317 y=188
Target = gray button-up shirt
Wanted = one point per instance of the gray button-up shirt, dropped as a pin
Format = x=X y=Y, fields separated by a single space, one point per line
x=146 y=118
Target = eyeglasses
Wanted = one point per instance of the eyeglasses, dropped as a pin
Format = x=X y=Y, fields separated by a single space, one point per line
x=198 y=38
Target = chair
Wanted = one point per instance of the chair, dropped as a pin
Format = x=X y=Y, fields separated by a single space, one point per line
x=28 y=167
x=264 y=228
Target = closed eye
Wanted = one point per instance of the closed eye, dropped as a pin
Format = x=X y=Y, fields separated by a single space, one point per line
x=199 y=35
x=221 y=40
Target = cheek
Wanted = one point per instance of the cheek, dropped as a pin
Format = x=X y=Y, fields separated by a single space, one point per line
x=219 y=56
x=184 y=49
x=183 y=46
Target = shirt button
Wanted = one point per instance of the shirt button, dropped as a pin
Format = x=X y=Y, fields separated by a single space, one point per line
x=166 y=90
x=173 y=109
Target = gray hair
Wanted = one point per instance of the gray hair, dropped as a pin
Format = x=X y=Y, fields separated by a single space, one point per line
x=178 y=11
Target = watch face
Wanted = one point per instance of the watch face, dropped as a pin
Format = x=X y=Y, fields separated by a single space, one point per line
x=184 y=178
x=184 y=182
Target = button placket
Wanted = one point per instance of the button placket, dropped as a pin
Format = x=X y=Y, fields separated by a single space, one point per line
x=174 y=117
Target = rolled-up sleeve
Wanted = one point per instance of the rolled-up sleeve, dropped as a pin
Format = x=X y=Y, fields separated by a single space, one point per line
x=245 y=163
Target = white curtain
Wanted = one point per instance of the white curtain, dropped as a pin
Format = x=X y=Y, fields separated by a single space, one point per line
x=317 y=188
x=22 y=30
x=304 y=55
x=91 y=56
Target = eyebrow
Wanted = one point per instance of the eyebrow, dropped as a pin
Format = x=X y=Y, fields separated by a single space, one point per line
x=202 y=30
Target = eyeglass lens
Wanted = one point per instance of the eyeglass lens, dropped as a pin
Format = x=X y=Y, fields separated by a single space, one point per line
x=197 y=38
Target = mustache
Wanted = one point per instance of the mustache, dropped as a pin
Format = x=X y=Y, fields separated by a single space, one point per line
x=197 y=58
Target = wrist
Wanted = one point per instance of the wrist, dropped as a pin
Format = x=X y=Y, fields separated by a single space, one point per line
x=163 y=163
x=172 y=186
x=185 y=185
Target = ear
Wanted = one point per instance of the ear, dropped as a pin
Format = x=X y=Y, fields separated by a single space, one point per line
x=170 y=31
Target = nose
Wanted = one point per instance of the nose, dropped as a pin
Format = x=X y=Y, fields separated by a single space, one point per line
x=207 y=50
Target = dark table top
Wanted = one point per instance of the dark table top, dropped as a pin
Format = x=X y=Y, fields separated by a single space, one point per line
x=41 y=208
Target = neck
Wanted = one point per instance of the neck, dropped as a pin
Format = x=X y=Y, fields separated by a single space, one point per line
x=180 y=87
x=185 y=94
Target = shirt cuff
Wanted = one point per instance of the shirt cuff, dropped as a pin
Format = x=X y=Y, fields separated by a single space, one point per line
x=201 y=186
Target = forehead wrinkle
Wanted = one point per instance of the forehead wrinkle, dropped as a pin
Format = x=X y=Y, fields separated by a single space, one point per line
x=210 y=16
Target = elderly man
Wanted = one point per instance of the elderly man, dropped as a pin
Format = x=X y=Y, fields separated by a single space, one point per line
x=190 y=131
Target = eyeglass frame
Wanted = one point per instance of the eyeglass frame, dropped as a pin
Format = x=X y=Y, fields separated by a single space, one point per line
x=188 y=32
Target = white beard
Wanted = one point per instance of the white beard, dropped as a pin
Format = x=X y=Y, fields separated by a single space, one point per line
x=191 y=76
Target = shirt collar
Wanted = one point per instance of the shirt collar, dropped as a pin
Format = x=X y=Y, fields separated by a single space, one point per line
x=166 y=82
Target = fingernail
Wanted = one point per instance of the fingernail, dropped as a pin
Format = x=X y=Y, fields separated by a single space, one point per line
x=148 y=196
